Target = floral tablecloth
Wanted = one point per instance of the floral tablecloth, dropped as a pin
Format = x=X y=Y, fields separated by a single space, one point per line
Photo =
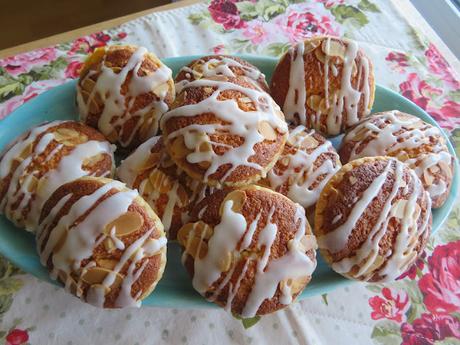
x=423 y=307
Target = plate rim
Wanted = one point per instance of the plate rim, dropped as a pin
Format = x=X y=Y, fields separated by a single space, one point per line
x=256 y=60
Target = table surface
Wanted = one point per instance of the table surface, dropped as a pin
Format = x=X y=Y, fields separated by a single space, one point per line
x=421 y=308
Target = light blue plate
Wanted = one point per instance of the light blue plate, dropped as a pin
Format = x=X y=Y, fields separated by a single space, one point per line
x=175 y=289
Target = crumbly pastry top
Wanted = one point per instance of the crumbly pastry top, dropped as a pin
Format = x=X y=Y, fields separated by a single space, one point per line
x=308 y=161
x=102 y=241
x=324 y=83
x=144 y=171
x=123 y=91
x=409 y=139
x=223 y=65
x=373 y=219
x=224 y=131
x=251 y=252
x=45 y=157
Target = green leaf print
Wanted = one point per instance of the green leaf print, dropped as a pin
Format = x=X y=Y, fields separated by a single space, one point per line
x=271 y=10
x=198 y=18
x=10 y=86
x=347 y=13
x=412 y=290
x=454 y=95
x=374 y=288
x=386 y=332
x=247 y=322
x=324 y=297
x=247 y=10
x=5 y=303
x=50 y=71
x=366 y=5
x=9 y=285
x=276 y=49
x=414 y=312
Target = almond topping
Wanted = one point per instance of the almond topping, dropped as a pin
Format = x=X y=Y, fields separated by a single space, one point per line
x=96 y=275
x=333 y=48
x=125 y=224
x=69 y=136
x=238 y=197
x=267 y=130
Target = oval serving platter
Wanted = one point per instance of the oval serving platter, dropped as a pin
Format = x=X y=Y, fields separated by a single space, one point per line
x=175 y=288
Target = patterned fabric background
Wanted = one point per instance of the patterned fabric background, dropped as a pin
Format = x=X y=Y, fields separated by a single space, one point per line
x=422 y=307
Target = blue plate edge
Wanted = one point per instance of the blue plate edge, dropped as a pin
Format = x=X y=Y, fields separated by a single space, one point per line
x=340 y=281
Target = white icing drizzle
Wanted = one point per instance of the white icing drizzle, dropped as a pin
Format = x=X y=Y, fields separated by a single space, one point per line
x=68 y=169
x=227 y=234
x=347 y=98
x=81 y=239
x=407 y=212
x=343 y=110
x=390 y=133
x=130 y=169
x=294 y=264
x=115 y=112
x=241 y=123
x=294 y=104
x=134 y=163
x=221 y=66
x=300 y=173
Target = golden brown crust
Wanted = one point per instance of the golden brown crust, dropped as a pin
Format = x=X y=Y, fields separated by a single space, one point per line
x=105 y=256
x=66 y=136
x=265 y=152
x=430 y=158
x=338 y=200
x=314 y=69
x=256 y=204
x=194 y=70
x=116 y=58
x=159 y=184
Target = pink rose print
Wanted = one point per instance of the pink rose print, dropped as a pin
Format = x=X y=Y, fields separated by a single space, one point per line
x=418 y=91
x=30 y=92
x=226 y=13
x=301 y=25
x=411 y=273
x=392 y=306
x=219 y=49
x=430 y=328
x=73 y=69
x=441 y=285
x=122 y=35
x=87 y=44
x=17 y=337
x=331 y=3
x=448 y=115
x=80 y=45
x=24 y=62
x=256 y=31
x=399 y=60
x=439 y=66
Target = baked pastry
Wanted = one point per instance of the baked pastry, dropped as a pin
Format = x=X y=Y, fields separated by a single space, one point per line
x=373 y=219
x=308 y=161
x=143 y=170
x=229 y=66
x=409 y=139
x=325 y=83
x=251 y=251
x=223 y=131
x=123 y=91
x=42 y=159
x=102 y=241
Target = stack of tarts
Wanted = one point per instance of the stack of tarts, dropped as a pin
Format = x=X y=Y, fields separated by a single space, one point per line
x=234 y=169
